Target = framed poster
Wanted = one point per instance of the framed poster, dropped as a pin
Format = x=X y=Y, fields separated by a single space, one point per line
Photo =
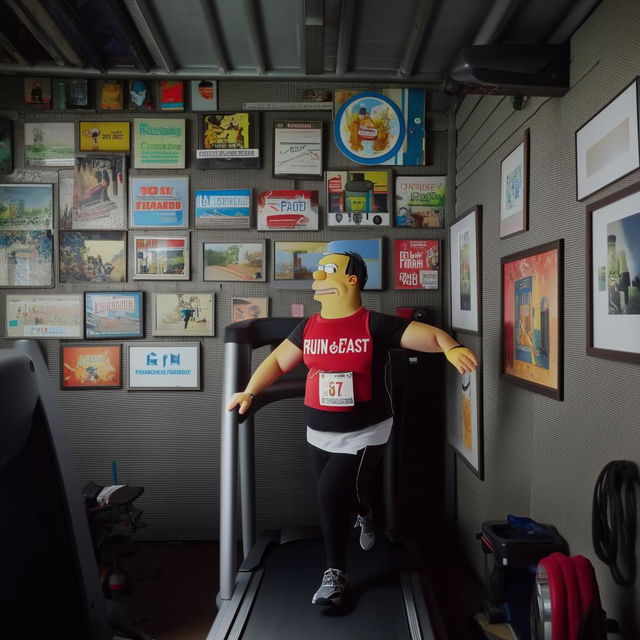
x=93 y=256
x=162 y=258
x=607 y=146
x=234 y=261
x=532 y=319
x=158 y=143
x=204 y=95
x=297 y=149
x=465 y=271
x=140 y=94
x=288 y=211
x=514 y=190
x=420 y=201
x=229 y=141
x=26 y=258
x=164 y=365
x=183 y=314
x=613 y=268
x=51 y=144
x=416 y=264
x=6 y=147
x=72 y=93
x=358 y=198
x=44 y=316
x=104 y=136
x=159 y=202
x=26 y=206
x=111 y=95
x=222 y=208
x=249 y=308
x=113 y=314
x=90 y=366
x=37 y=92
x=171 y=95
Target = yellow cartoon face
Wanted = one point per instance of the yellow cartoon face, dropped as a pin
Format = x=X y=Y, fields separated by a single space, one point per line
x=333 y=288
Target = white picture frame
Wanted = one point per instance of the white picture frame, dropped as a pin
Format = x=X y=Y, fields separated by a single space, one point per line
x=153 y=366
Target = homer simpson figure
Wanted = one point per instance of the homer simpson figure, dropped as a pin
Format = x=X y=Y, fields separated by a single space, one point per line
x=347 y=398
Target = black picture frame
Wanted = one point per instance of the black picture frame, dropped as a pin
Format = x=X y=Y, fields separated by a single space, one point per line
x=210 y=140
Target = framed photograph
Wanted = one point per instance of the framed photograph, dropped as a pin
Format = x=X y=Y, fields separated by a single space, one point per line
x=532 y=319
x=249 y=308
x=229 y=141
x=164 y=365
x=51 y=144
x=159 y=202
x=420 y=201
x=37 y=92
x=72 y=93
x=6 y=147
x=159 y=143
x=183 y=314
x=90 y=366
x=111 y=95
x=607 y=146
x=93 y=256
x=113 y=314
x=204 y=95
x=26 y=258
x=26 y=206
x=171 y=95
x=290 y=210
x=140 y=95
x=162 y=258
x=234 y=261
x=358 y=198
x=416 y=264
x=297 y=149
x=613 y=268
x=104 y=136
x=465 y=270
x=514 y=190
x=222 y=208
x=44 y=316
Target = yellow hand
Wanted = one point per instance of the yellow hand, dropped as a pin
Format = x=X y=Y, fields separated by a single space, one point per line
x=462 y=358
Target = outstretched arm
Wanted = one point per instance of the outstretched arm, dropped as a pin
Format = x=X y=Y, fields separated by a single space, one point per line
x=283 y=358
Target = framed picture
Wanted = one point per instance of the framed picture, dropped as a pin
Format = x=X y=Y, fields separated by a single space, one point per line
x=234 y=261
x=171 y=95
x=532 y=319
x=514 y=190
x=204 y=95
x=140 y=95
x=90 y=366
x=111 y=95
x=249 y=308
x=26 y=206
x=159 y=143
x=6 y=147
x=222 y=208
x=416 y=264
x=66 y=219
x=229 y=141
x=164 y=365
x=290 y=210
x=420 y=201
x=159 y=202
x=44 y=316
x=607 y=146
x=93 y=256
x=162 y=258
x=37 y=92
x=183 y=314
x=613 y=267
x=113 y=314
x=465 y=270
x=104 y=136
x=26 y=258
x=358 y=198
x=297 y=149
x=51 y=144
x=72 y=93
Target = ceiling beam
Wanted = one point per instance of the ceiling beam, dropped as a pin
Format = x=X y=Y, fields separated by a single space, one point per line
x=345 y=36
x=497 y=19
x=418 y=28
x=12 y=50
x=313 y=36
x=215 y=33
x=255 y=36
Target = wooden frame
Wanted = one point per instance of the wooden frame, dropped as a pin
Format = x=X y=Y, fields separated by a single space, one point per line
x=90 y=366
x=297 y=149
x=514 y=190
x=164 y=366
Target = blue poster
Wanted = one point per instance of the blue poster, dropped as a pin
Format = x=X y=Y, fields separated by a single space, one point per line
x=159 y=203
x=222 y=208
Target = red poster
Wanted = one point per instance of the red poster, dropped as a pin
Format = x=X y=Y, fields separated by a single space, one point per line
x=416 y=264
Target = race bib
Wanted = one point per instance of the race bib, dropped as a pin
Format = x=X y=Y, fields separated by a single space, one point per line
x=336 y=389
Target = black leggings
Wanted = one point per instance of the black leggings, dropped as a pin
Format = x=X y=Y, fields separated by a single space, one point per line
x=343 y=489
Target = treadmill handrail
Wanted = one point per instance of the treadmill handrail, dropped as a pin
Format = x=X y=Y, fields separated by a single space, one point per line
x=259 y=332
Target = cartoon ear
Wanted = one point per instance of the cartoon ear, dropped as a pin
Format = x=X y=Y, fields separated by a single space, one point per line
x=352 y=279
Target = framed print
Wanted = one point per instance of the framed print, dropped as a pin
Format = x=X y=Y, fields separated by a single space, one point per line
x=420 y=201
x=26 y=258
x=44 y=316
x=162 y=258
x=6 y=147
x=183 y=314
x=51 y=144
x=514 y=190
x=93 y=256
x=113 y=314
x=159 y=202
x=465 y=271
x=607 y=146
x=297 y=149
x=104 y=136
x=140 y=94
x=171 y=95
x=111 y=95
x=159 y=143
x=73 y=93
x=204 y=95
x=222 y=208
x=164 y=365
x=234 y=261
x=416 y=264
x=288 y=211
x=532 y=319
x=90 y=366
x=66 y=218
x=37 y=92
x=249 y=308
x=358 y=198
x=613 y=267
x=26 y=206
x=229 y=141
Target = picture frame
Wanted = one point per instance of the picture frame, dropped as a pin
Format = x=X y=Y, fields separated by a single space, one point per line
x=113 y=314
x=222 y=208
x=416 y=263
x=171 y=95
x=249 y=308
x=162 y=257
x=6 y=147
x=162 y=366
x=465 y=270
x=532 y=319
x=608 y=144
x=234 y=261
x=86 y=366
x=140 y=96
x=159 y=202
x=420 y=201
x=37 y=92
x=229 y=140
x=613 y=276
x=297 y=149
x=104 y=136
x=287 y=210
x=44 y=316
x=185 y=314
x=26 y=207
x=159 y=143
x=92 y=256
x=49 y=144
x=204 y=95
x=111 y=96
x=26 y=258
x=360 y=198
x=72 y=94
x=514 y=190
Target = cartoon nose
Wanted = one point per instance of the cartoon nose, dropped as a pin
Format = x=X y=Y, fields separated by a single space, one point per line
x=319 y=275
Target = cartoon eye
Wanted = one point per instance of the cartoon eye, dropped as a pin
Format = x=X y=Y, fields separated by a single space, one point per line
x=328 y=268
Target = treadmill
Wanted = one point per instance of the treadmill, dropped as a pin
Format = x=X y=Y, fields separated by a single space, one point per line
x=269 y=598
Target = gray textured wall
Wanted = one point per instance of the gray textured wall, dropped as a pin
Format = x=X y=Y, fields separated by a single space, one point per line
x=542 y=456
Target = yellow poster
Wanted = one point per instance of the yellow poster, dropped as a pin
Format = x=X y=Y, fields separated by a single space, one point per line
x=105 y=136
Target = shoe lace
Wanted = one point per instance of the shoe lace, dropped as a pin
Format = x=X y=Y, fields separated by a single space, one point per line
x=362 y=522
x=331 y=578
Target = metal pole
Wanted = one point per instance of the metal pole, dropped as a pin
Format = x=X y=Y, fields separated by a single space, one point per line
x=247 y=484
